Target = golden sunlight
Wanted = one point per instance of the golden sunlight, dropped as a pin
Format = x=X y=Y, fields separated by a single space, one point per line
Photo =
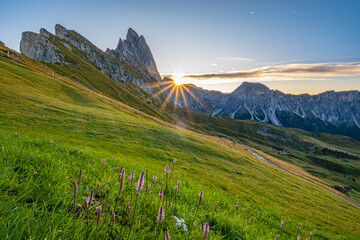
x=176 y=89
x=178 y=80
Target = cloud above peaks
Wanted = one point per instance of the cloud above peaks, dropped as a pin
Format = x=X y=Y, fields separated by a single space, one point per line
x=288 y=71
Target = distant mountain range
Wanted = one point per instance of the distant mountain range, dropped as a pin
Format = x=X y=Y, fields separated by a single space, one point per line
x=331 y=112
x=131 y=64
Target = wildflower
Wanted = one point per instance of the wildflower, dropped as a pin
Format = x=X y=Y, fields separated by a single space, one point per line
x=298 y=238
x=174 y=163
x=206 y=230
x=167 y=236
x=129 y=209
x=154 y=179
x=98 y=215
x=35 y=173
x=80 y=174
x=167 y=170
x=252 y=219
x=180 y=222
x=237 y=205
x=282 y=224
x=118 y=168
x=104 y=164
x=132 y=177
x=121 y=179
x=122 y=172
x=311 y=235
x=113 y=157
x=161 y=214
x=178 y=183
x=297 y=232
x=216 y=207
x=183 y=173
x=90 y=198
x=140 y=183
x=161 y=193
x=277 y=238
x=200 y=198
x=176 y=188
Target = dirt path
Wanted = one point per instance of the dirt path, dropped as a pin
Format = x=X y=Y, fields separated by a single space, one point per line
x=282 y=169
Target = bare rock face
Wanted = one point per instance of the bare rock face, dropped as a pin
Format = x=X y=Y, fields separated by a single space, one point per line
x=136 y=50
x=60 y=31
x=39 y=47
x=135 y=68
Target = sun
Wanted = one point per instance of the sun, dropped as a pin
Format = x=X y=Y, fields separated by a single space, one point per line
x=178 y=80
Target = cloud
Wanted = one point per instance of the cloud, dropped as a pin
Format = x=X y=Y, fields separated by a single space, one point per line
x=252 y=12
x=233 y=59
x=289 y=71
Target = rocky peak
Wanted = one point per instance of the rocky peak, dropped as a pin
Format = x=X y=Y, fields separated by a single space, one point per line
x=39 y=47
x=60 y=31
x=251 y=87
x=135 y=50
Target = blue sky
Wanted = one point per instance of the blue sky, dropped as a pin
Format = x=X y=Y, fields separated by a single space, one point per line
x=202 y=37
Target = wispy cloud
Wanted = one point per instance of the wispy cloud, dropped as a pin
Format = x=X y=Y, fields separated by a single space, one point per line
x=289 y=71
x=234 y=59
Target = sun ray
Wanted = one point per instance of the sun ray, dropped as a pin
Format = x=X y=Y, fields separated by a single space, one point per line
x=197 y=99
x=188 y=110
x=167 y=98
x=176 y=96
x=163 y=90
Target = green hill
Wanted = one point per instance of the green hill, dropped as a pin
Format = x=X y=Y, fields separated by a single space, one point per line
x=64 y=125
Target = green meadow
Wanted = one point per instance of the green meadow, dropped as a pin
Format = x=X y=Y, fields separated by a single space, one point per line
x=52 y=126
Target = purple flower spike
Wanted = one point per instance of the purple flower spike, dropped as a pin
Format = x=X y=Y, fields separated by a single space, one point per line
x=161 y=193
x=155 y=180
x=90 y=198
x=176 y=188
x=99 y=210
x=282 y=224
x=167 y=236
x=206 y=230
x=167 y=170
x=200 y=198
x=140 y=183
x=161 y=215
x=132 y=177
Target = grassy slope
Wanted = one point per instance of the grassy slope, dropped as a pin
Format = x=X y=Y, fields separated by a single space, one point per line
x=298 y=144
x=40 y=107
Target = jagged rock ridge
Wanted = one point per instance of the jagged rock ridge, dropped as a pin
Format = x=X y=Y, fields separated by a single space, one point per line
x=332 y=112
x=126 y=71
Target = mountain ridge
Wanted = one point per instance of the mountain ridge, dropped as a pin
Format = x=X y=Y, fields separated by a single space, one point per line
x=330 y=111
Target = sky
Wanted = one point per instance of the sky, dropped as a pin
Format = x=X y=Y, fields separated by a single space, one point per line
x=296 y=46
